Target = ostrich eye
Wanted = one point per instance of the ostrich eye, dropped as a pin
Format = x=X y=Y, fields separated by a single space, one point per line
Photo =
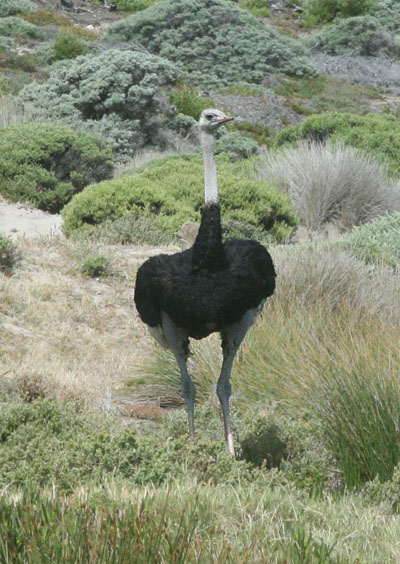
x=209 y=116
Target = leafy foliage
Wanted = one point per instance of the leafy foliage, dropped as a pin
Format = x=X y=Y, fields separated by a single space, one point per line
x=357 y=36
x=327 y=10
x=377 y=242
x=115 y=93
x=95 y=266
x=388 y=14
x=11 y=7
x=172 y=188
x=239 y=146
x=68 y=46
x=376 y=134
x=9 y=255
x=16 y=26
x=46 y=164
x=214 y=41
x=188 y=102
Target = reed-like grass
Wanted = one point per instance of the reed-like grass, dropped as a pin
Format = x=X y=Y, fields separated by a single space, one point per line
x=189 y=523
x=326 y=345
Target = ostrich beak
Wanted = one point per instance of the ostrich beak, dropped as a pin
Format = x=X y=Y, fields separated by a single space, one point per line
x=223 y=119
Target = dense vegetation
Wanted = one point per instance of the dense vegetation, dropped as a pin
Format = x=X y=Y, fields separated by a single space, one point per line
x=45 y=164
x=374 y=134
x=213 y=41
x=95 y=462
x=118 y=94
x=172 y=190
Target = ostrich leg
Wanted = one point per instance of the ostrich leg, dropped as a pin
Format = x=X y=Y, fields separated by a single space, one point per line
x=232 y=337
x=179 y=344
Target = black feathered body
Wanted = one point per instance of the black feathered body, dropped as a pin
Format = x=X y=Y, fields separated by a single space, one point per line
x=208 y=287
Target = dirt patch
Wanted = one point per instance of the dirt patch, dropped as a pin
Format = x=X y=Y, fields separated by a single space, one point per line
x=22 y=220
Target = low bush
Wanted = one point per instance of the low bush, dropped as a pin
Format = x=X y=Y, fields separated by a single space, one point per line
x=68 y=46
x=16 y=26
x=134 y=5
x=355 y=36
x=327 y=10
x=387 y=14
x=46 y=164
x=132 y=229
x=214 y=42
x=331 y=183
x=377 y=242
x=9 y=255
x=186 y=100
x=375 y=134
x=172 y=189
x=95 y=266
x=117 y=94
x=236 y=145
x=11 y=7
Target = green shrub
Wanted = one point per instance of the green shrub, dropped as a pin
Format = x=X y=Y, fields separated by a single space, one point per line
x=236 y=145
x=355 y=36
x=387 y=14
x=25 y=62
x=258 y=8
x=9 y=255
x=375 y=134
x=11 y=7
x=117 y=94
x=213 y=41
x=378 y=241
x=95 y=266
x=46 y=164
x=134 y=5
x=68 y=46
x=17 y=26
x=327 y=10
x=188 y=102
x=132 y=229
x=172 y=189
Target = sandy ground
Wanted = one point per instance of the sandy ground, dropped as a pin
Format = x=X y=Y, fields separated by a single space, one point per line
x=22 y=220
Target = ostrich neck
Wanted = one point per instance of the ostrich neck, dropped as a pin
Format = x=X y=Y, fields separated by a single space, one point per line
x=210 y=170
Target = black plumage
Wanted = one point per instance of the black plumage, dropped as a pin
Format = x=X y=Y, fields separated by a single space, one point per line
x=211 y=287
x=203 y=291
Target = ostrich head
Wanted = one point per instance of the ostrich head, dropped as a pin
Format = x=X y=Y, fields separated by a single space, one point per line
x=211 y=120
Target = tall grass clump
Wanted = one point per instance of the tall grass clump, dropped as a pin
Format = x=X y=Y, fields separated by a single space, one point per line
x=326 y=349
x=215 y=43
x=9 y=255
x=331 y=183
x=377 y=135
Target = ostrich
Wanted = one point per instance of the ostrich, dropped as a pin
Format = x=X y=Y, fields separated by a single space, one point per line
x=211 y=287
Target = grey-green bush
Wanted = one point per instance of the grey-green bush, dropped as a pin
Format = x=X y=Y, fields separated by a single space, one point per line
x=172 y=189
x=16 y=26
x=355 y=36
x=213 y=41
x=11 y=7
x=377 y=241
x=316 y=10
x=45 y=164
x=117 y=94
x=236 y=145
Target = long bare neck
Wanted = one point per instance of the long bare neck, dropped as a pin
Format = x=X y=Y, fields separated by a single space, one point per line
x=208 y=253
x=210 y=170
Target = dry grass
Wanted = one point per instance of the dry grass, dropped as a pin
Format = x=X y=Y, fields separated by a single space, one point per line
x=331 y=183
x=70 y=336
